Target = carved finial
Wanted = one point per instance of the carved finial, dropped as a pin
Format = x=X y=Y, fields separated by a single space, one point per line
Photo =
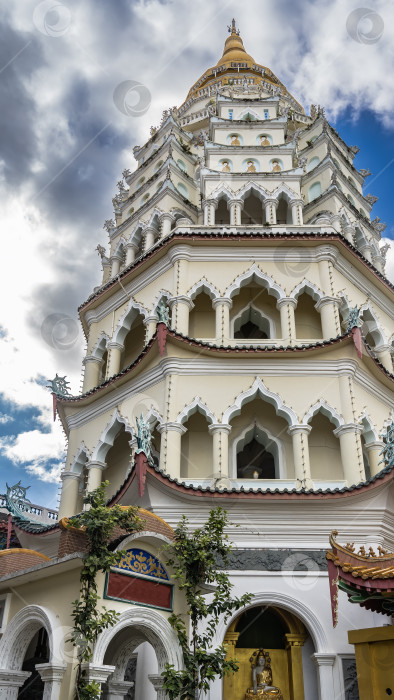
x=126 y=173
x=144 y=438
x=59 y=386
x=109 y=225
x=353 y=320
x=101 y=251
x=232 y=28
x=362 y=551
x=350 y=546
x=388 y=449
x=163 y=313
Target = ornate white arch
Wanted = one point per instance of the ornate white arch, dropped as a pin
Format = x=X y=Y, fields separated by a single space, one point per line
x=279 y=454
x=124 y=325
x=156 y=214
x=136 y=234
x=326 y=410
x=254 y=187
x=315 y=292
x=271 y=397
x=100 y=346
x=370 y=432
x=163 y=294
x=119 y=249
x=247 y=276
x=196 y=405
x=373 y=324
x=78 y=462
x=108 y=436
x=149 y=625
x=250 y=305
x=222 y=191
x=153 y=416
x=248 y=111
x=22 y=628
x=286 y=191
x=203 y=285
x=293 y=605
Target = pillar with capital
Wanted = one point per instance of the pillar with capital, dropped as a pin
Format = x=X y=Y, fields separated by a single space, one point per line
x=149 y=234
x=287 y=306
x=235 y=208
x=328 y=307
x=116 y=261
x=114 y=357
x=95 y=474
x=296 y=212
x=294 y=644
x=384 y=356
x=302 y=466
x=165 y=221
x=181 y=307
x=150 y=323
x=118 y=690
x=349 y=232
x=131 y=252
x=222 y=306
x=70 y=492
x=92 y=372
x=209 y=207
x=270 y=206
x=351 y=452
x=11 y=682
x=324 y=664
x=52 y=675
x=374 y=452
x=170 y=448
x=378 y=261
x=365 y=250
x=220 y=433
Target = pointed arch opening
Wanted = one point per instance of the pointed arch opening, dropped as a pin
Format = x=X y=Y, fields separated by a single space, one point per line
x=324 y=448
x=253 y=212
x=222 y=214
x=307 y=317
x=202 y=317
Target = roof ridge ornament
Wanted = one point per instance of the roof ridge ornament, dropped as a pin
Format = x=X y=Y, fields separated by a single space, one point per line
x=232 y=28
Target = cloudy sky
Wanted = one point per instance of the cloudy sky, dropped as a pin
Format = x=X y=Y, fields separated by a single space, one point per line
x=64 y=144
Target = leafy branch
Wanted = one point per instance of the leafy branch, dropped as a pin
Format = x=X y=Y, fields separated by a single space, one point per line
x=195 y=559
x=98 y=524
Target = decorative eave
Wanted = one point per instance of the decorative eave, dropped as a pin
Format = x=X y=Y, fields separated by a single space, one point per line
x=236 y=235
x=366 y=578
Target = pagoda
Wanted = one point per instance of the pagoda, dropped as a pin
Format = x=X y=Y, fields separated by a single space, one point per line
x=244 y=319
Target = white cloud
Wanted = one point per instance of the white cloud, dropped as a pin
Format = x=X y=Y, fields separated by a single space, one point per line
x=4 y=418
x=34 y=450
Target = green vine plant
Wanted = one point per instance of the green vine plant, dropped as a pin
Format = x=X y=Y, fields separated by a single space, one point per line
x=199 y=560
x=98 y=524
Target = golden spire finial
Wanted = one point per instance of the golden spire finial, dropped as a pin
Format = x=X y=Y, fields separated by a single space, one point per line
x=232 y=28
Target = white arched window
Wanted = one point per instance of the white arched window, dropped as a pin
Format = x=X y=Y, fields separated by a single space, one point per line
x=181 y=165
x=312 y=163
x=182 y=189
x=314 y=191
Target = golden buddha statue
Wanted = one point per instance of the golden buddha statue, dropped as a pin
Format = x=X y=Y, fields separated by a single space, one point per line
x=264 y=141
x=235 y=140
x=276 y=167
x=262 y=687
x=226 y=167
x=251 y=167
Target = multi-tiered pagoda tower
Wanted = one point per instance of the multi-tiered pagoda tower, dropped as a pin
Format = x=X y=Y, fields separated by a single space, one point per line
x=244 y=312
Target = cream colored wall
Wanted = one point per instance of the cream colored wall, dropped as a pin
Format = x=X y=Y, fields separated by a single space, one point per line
x=202 y=318
x=324 y=450
x=196 y=449
x=258 y=297
x=249 y=132
x=307 y=319
x=262 y=158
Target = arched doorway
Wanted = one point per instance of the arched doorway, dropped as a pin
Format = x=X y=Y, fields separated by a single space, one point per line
x=36 y=653
x=138 y=646
x=290 y=646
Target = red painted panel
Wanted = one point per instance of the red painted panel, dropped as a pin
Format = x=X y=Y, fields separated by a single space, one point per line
x=139 y=590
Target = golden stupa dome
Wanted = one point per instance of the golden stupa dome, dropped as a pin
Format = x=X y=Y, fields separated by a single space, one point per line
x=234 y=50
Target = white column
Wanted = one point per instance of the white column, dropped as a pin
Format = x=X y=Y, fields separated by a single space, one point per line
x=220 y=433
x=165 y=220
x=336 y=222
x=296 y=212
x=365 y=250
x=116 y=261
x=222 y=306
x=149 y=234
x=10 y=682
x=95 y=474
x=97 y=673
x=69 y=495
x=351 y=452
x=150 y=323
x=325 y=676
x=349 y=233
x=114 y=356
x=270 y=206
x=131 y=252
x=384 y=356
x=235 y=208
x=302 y=467
x=170 y=448
x=329 y=314
x=377 y=260
x=209 y=206
x=286 y=307
x=92 y=371
x=375 y=458
x=52 y=675
x=157 y=682
x=181 y=307
x=106 y=270
x=117 y=690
